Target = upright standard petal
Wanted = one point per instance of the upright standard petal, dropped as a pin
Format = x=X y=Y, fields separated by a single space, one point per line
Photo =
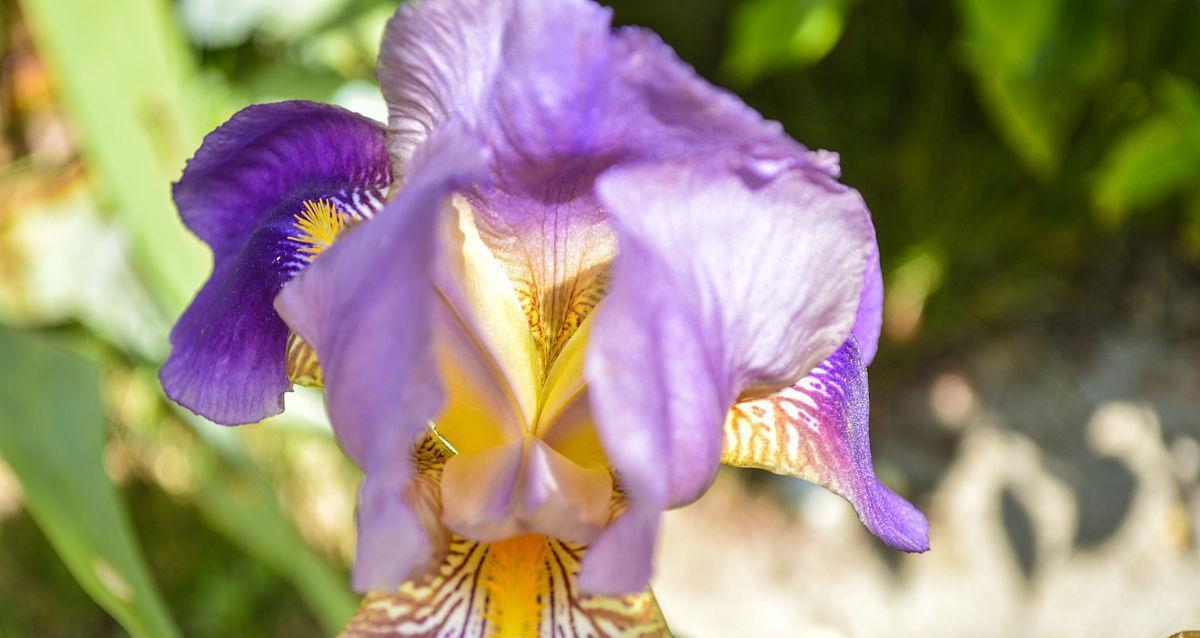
x=673 y=113
x=557 y=112
x=550 y=120
x=437 y=60
x=244 y=194
x=722 y=285
x=817 y=430
x=366 y=306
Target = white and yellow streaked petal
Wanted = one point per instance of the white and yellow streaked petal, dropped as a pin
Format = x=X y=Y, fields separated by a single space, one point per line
x=576 y=616
x=521 y=588
x=448 y=601
x=303 y=368
x=425 y=494
x=817 y=430
x=556 y=306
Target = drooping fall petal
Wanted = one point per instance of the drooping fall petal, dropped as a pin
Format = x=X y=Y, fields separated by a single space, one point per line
x=724 y=283
x=817 y=430
x=242 y=194
x=522 y=587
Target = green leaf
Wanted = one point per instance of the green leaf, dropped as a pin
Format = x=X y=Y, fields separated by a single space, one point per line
x=122 y=72
x=768 y=35
x=244 y=507
x=1034 y=63
x=240 y=502
x=1158 y=158
x=52 y=436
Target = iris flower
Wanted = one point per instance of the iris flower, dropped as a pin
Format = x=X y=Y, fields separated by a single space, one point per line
x=565 y=283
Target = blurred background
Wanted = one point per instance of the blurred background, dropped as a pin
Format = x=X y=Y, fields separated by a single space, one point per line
x=1033 y=167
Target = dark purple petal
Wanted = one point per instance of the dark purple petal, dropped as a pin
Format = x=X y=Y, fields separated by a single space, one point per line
x=366 y=307
x=240 y=194
x=721 y=286
x=818 y=430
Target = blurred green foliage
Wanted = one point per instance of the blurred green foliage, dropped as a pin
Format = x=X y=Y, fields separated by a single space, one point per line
x=130 y=100
x=1157 y=158
x=1012 y=151
x=55 y=447
x=1035 y=63
x=240 y=501
x=769 y=35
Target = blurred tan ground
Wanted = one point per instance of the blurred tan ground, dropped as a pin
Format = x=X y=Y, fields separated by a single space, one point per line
x=741 y=563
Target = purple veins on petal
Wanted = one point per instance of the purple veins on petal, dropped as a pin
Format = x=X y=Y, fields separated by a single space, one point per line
x=587 y=164
x=241 y=194
x=720 y=286
x=729 y=257
x=817 y=430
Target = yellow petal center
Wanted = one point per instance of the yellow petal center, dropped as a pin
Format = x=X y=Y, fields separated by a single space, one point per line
x=318 y=225
x=510 y=342
x=511 y=358
x=515 y=579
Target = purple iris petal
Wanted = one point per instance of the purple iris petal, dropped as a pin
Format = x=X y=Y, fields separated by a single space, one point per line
x=839 y=452
x=436 y=62
x=870 y=308
x=366 y=307
x=481 y=486
x=742 y=273
x=720 y=286
x=240 y=194
x=560 y=98
x=818 y=429
x=556 y=93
